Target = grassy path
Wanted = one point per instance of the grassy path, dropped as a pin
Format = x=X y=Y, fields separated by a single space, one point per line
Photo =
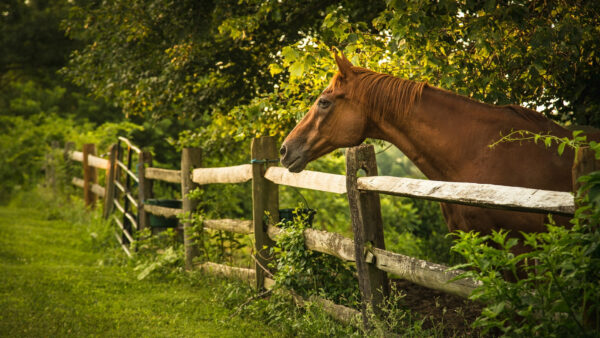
x=53 y=284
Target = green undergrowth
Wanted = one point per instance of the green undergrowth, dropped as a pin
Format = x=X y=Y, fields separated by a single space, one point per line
x=62 y=274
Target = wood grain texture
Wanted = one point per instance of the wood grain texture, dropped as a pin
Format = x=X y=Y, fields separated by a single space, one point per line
x=144 y=188
x=239 y=226
x=97 y=162
x=367 y=226
x=427 y=274
x=483 y=195
x=322 y=241
x=162 y=211
x=109 y=196
x=585 y=162
x=90 y=176
x=244 y=274
x=190 y=158
x=167 y=175
x=265 y=200
x=308 y=180
x=235 y=174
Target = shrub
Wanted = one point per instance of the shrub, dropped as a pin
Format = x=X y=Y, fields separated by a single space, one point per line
x=558 y=293
x=312 y=273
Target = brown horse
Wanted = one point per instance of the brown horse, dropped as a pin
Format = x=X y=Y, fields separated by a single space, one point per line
x=444 y=134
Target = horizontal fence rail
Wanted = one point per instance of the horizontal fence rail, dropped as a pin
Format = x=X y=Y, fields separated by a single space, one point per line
x=308 y=179
x=93 y=161
x=96 y=188
x=431 y=275
x=162 y=211
x=239 y=226
x=342 y=313
x=322 y=241
x=474 y=194
x=167 y=175
x=235 y=174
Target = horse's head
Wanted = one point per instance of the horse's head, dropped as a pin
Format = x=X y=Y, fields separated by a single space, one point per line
x=334 y=121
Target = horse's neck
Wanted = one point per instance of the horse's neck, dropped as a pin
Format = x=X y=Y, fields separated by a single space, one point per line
x=446 y=135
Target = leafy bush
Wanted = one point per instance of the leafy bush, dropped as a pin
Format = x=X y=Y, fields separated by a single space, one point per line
x=312 y=273
x=558 y=295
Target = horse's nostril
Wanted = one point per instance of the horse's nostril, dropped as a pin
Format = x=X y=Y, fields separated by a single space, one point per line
x=282 y=151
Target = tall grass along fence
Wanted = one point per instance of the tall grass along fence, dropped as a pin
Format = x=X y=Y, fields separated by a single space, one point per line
x=127 y=193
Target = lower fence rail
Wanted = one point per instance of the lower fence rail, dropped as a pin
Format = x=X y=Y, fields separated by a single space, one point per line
x=342 y=313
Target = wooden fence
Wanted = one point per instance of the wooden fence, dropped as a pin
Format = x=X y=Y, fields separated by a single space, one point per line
x=367 y=249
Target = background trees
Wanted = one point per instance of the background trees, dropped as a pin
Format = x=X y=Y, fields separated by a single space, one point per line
x=217 y=73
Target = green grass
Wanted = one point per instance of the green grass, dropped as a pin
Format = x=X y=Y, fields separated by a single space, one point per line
x=56 y=280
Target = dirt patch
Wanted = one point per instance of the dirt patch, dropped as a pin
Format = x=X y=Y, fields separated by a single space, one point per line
x=452 y=313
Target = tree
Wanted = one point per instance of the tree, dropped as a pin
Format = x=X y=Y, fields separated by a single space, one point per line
x=164 y=58
x=34 y=48
x=537 y=53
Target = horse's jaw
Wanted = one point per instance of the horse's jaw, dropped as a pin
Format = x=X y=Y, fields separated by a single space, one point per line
x=294 y=165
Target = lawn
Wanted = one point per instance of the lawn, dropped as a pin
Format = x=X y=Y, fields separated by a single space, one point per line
x=56 y=281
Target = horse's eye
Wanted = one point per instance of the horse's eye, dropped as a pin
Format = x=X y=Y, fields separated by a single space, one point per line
x=324 y=103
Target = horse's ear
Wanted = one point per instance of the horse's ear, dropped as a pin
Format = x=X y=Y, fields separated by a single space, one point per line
x=344 y=65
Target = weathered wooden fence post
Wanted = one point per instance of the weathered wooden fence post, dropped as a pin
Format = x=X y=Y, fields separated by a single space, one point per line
x=265 y=198
x=585 y=162
x=190 y=158
x=144 y=188
x=69 y=147
x=367 y=225
x=50 y=167
x=90 y=176
x=109 y=196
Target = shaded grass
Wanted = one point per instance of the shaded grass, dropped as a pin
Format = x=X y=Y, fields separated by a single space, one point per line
x=56 y=281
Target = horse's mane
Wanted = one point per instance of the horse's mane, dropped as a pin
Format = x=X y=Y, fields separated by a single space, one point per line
x=387 y=95
x=383 y=94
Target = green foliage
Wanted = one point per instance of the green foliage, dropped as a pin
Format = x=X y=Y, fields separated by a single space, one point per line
x=160 y=58
x=25 y=143
x=558 y=296
x=163 y=262
x=223 y=201
x=395 y=318
x=542 y=54
x=308 y=272
x=547 y=140
x=280 y=312
x=32 y=43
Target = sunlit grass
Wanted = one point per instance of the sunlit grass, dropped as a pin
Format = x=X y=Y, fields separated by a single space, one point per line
x=54 y=283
